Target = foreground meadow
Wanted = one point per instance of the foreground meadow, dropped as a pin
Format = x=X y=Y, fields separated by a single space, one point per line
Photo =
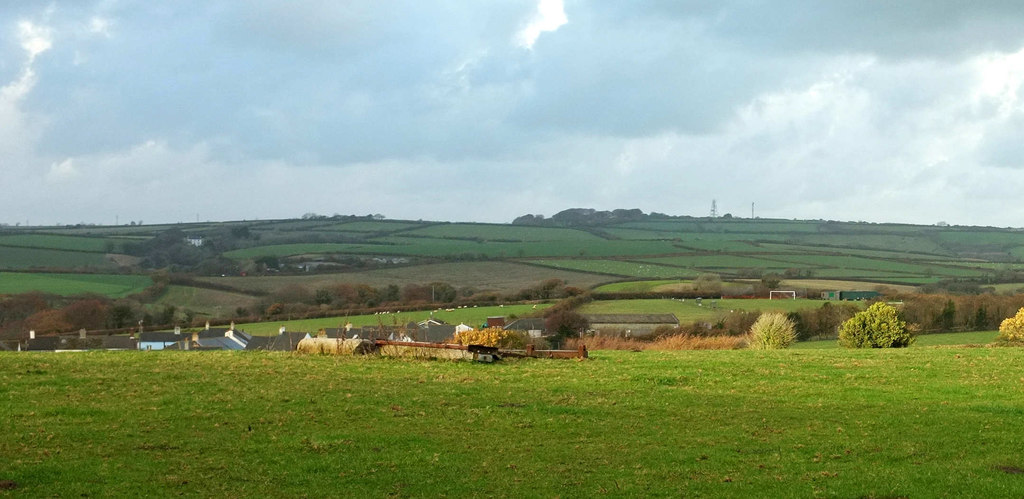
x=913 y=422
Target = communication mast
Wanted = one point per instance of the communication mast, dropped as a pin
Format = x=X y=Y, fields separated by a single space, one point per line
x=714 y=208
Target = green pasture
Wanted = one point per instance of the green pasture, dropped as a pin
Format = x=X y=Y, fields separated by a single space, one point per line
x=832 y=250
x=890 y=242
x=280 y=250
x=63 y=242
x=15 y=258
x=637 y=286
x=689 y=310
x=504 y=232
x=113 y=286
x=471 y=316
x=972 y=338
x=203 y=301
x=917 y=422
x=369 y=226
x=500 y=276
x=618 y=267
x=724 y=262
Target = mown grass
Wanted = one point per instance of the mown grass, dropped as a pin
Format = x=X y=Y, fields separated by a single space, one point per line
x=877 y=423
x=113 y=286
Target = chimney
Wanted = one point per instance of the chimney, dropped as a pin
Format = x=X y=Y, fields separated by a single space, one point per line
x=207 y=325
x=177 y=329
x=348 y=326
x=81 y=333
x=280 y=331
x=232 y=328
x=195 y=337
x=32 y=334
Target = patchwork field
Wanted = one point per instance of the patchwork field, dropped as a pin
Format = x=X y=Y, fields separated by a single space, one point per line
x=505 y=257
x=918 y=422
x=497 y=276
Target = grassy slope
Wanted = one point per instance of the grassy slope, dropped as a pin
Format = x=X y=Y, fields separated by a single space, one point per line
x=687 y=310
x=500 y=276
x=27 y=258
x=114 y=286
x=903 y=423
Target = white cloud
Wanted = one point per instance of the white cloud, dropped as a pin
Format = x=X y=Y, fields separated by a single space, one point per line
x=549 y=17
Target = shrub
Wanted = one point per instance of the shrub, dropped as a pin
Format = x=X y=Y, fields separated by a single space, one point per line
x=877 y=327
x=771 y=331
x=1011 y=330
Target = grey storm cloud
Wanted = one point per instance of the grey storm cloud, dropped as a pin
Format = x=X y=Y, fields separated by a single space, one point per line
x=661 y=105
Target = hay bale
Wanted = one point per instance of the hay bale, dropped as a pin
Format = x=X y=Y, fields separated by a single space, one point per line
x=335 y=346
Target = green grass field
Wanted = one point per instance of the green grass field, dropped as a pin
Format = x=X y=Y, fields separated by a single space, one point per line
x=639 y=286
x=688 y=310
x=924 y=422
x=471 y=316
x=113 y=286
x=16 y=258
x=618 y=267
x=973 y=338
x=63 y=242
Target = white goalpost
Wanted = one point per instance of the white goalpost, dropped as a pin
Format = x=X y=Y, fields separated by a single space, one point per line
x=781 y=295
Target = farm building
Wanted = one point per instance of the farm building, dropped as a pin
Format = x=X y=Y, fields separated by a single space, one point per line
x=629 y=324
x=533 y=326
x=849 y=295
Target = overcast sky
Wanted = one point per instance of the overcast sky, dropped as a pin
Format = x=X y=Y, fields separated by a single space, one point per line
x=883 y=111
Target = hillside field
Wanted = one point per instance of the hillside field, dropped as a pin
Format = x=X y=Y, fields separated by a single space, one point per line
x=113 y=286
x=919 y=422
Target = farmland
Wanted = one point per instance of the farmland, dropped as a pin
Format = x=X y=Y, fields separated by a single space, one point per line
x=113 y=286
x=243 y=259
x=917 y=422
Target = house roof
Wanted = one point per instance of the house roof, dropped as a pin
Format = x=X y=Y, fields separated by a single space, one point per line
x=222 y=343
x=631 y=319
x=161 y=337
x=526 y=324
x=52 y=343
x=286 y=342
x=213 y=332
x=44 y=343
x=119 y=343
x=435 y=333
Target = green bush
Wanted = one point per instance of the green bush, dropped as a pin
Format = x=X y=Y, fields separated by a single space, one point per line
x=877 y=327
x=771 y=331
